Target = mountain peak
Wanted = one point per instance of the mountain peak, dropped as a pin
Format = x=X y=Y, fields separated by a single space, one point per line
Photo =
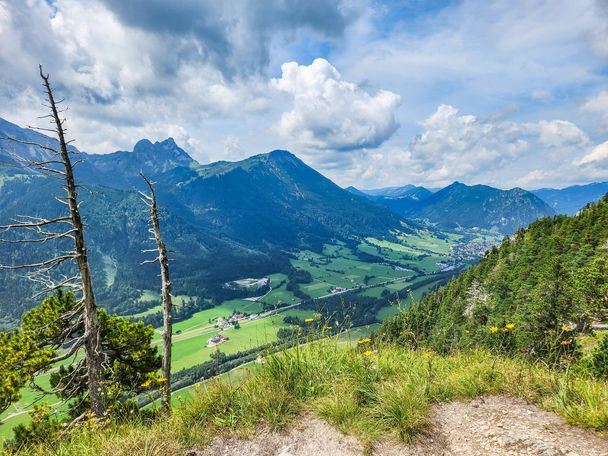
x=281 y=154
x=166 y=149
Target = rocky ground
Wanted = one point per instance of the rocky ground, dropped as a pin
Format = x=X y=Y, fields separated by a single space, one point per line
x=494 y=425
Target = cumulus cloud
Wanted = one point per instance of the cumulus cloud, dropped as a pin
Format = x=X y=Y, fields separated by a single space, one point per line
x=455 y=146
x=235 y=35
x=598 y=105
x=598 y=154
x=128 y=68
x=331 y=113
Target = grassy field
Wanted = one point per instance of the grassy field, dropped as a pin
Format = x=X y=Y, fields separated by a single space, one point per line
x=339 y=267
x=189 y=350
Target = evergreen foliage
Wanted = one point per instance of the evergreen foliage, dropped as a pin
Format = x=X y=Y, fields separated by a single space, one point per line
x=530 y=296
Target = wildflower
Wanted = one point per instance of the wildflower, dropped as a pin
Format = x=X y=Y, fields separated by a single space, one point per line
x=374 y=352
x=365 y=340
x=309 y=320
x=327 y=328
x=146 y=384
x=367 y=353
x=161 y=380
x=565 y=328
x=317 y=315
x=494 y=329
x=566 y=342
x=429 y=354
x=509 y=326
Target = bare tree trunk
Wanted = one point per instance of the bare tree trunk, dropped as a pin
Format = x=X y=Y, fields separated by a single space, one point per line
x=163 y=260
x=91 y=323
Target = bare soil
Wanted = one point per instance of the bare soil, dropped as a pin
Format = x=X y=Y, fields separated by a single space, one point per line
x=495 y=425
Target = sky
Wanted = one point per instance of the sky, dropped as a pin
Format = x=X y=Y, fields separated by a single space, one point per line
x=370 y=93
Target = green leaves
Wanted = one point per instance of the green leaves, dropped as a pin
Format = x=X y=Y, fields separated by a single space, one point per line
x=20 y=359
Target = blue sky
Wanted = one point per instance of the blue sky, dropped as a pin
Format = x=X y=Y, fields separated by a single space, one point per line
x=370 y=93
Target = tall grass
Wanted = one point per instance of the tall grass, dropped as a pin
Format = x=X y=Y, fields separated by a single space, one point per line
x=387 y=392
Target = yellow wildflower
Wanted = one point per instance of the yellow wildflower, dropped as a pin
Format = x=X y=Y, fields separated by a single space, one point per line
x=367 y=353
x=161 y=380
x=327 y=328
x=494 y=329
x=429 y=354
x=317 y=315
x=565 y=328
x=309 y=320
x=146 y=384
x=566 y=342
x=510 y=326
x=365 y=340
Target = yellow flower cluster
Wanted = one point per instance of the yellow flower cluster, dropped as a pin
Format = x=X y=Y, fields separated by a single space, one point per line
x=509 y=326
x=309 y=320
x=365 y=340
x=565 y=328
x=367 y=353
x=494 y=329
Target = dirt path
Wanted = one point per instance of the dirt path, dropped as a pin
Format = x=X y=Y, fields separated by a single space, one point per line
x=487 y=426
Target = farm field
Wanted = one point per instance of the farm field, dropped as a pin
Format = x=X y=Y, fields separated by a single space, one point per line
x=192 y=350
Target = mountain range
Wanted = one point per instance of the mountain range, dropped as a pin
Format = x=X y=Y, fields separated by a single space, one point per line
x=482 y=206
x=224 y=220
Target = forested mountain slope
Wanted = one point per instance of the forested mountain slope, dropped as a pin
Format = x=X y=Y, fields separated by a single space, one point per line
x=222 y=221
x=479 y=206
x=543 y=282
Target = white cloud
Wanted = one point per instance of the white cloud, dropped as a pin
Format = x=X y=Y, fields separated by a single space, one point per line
x=598 y=105
x=598 y=153
x=331 y=113
x=454 y=146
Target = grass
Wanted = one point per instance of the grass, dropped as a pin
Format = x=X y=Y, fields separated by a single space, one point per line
x=386 y=395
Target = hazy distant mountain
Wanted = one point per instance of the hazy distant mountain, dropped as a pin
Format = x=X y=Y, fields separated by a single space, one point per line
x=391 y=192
x=460 y=205
x=570 y=200
x=407 y=191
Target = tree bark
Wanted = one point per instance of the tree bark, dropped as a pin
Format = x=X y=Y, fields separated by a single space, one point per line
x=163 y=261
x=91 y=323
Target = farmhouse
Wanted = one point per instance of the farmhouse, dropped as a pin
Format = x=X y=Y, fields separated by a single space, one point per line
x=216 y=340
x=221 y=323
x=236 y=317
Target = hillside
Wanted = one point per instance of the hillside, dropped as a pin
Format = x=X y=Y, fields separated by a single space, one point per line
x=224 y=221
x=571 y=199
x=546 y=280
x=460 y=205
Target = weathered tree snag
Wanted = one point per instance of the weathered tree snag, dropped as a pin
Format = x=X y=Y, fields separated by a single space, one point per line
x=60 y=166
x=91 y=324
x=163 y=261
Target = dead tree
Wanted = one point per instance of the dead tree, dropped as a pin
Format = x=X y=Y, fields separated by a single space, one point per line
x=59 y=164
x=163 y=261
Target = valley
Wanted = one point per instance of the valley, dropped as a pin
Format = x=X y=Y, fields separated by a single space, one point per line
x=367 y=268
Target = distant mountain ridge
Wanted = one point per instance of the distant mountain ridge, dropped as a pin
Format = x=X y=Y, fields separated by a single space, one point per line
x=460 y=205
x=570 y=200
